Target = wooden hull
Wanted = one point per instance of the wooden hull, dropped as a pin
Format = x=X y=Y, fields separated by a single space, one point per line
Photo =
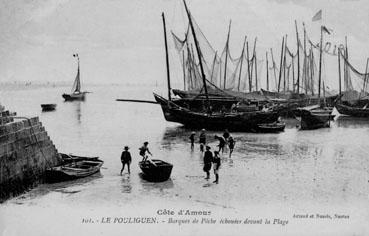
x=315 y=119
x=352 y=111
x=271 y=127
x=238 y=121
x=73 y=170
x=48 y=107
x=157 y=172
x=74 y=96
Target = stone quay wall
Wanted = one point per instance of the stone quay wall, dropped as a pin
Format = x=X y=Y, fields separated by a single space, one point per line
x=26 y=151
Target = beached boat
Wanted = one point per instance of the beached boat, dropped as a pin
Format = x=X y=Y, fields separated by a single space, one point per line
x=156 y=170
x=274 y=127
x=48 y=107
x=352 y=111
x=314 y=117
x=76 y=93
x=73 y=170
x=233 y=121
x=209 y=117
x=67 y=158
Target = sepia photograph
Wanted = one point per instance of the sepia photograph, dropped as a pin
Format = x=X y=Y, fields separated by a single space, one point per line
x=184 y=117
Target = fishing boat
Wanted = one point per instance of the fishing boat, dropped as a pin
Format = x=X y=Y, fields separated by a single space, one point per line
x=233 y=121
x=274 y=127
x=352 y=111
x=156 y=170
x=48 y=107
x=68 y=158
x=315 y=117
x=76 y=93
x=73 y=170
x=209 y=117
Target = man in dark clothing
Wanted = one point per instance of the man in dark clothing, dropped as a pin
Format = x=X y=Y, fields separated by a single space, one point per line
x=231 y=144
x=202 y=140
x=208 y=158
x=221 y=144
x=226 y=135
x=192 y=139
x=125 y=158
x=216 y=166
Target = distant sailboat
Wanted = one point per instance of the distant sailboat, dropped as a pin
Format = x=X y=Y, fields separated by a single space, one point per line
x=76 y=89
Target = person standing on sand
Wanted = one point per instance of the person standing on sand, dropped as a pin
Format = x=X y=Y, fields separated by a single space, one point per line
x=222 y=142
x=143 y=151
x=226 y=135
x=125 y=158
x=192 y=139
x=208 y=159
x=216 y=166
x=231 y=144
x=202 y=140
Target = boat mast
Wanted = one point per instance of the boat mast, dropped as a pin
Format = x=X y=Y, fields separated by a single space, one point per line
x=166 y=56
x=298 y=58
x=284 y=65
x=274 y=67
x=312 y=69
x=198 y=54
x=305 y=62
x=267 y=70
x=242 y=55
x=365 y=76
x=226 y=56
x=339 y=73
x=248 y=66
x=256 y=65
x=184 y=71
x=320 y=60
x=345 y=66
x=280 y=66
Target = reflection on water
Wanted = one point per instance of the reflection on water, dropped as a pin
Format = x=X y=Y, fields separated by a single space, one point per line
x=77 y=106
x=352 y=122
x=155 y=187
x=126 y=184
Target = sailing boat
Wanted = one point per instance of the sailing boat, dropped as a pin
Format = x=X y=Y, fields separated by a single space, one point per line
x=207 y=117
x=318 y=116
x=76 y=89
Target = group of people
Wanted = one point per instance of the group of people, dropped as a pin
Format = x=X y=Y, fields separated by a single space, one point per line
x=225 y=139
x=210 y=159
x=126 y=158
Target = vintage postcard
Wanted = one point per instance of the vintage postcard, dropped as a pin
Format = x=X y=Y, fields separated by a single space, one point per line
x=183 y=117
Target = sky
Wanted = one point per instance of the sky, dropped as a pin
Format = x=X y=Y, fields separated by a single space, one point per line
x=121 y=41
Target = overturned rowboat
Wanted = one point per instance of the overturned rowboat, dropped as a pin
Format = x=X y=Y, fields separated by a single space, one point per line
x=156 y=170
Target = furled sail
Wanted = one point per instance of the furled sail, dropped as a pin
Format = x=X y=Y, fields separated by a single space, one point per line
x=77 y=83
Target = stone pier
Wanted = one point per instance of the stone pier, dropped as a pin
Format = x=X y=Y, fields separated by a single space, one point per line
x=26 y=151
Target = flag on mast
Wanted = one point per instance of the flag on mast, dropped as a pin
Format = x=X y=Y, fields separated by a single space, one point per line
x=317 y=16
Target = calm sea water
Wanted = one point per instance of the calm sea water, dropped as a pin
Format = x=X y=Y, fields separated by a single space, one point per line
x=324 y=171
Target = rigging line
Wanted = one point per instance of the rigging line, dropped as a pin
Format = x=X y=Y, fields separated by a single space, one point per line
x=352 y=67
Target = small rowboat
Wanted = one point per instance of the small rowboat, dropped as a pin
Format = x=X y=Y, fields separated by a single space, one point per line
x=68 y=158
x=48 y=107
x=73 y=170
x=274 y=127
x=156 y=170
